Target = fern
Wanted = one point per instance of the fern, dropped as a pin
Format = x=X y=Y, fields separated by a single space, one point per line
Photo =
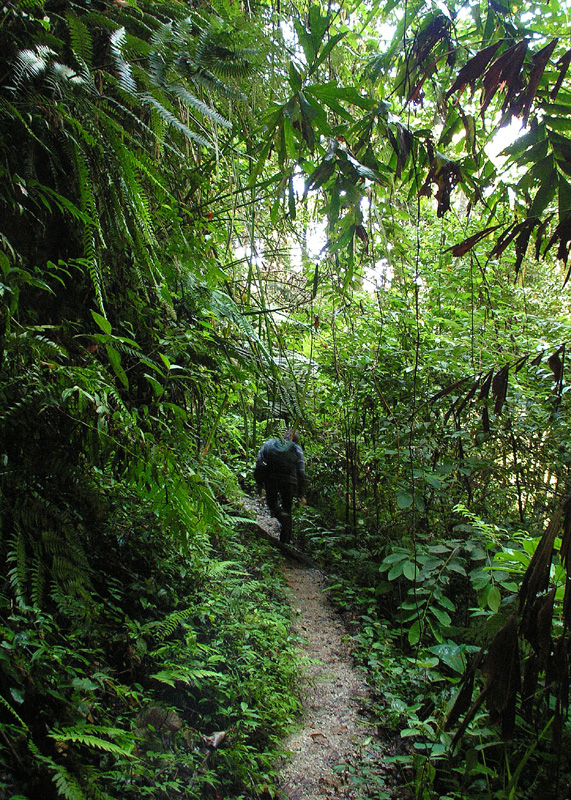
x=117 y=41
x=80 y=38
x=193 y=102
x=18 y=573
x=188 y=675
x=162 y=630
x=90 y=736
x=173 y=122
x=6 y=705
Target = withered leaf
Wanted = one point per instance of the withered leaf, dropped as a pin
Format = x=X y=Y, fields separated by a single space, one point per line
x=540 y=235
x=447 y=390
x=468 y=397
x=504 y=73
x=464 y=696
x=561 y=234
x=556 y=364
x=467 y=244
x=544 y=620
x=504 y=241
x=537 y=360
x=473 y=68
x=529 y=686
x=536 y=576
x=486 y=383
x=525 y=230
x=485 y=419
x=503 y=680
x=519 y=364
x=500 y=387
x=362 y=234
x=565 y=550
x=426 y=39
x=540 y=60
x=563 y=65
x=404 y=145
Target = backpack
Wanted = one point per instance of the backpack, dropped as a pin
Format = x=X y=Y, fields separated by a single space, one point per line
x=281 y=458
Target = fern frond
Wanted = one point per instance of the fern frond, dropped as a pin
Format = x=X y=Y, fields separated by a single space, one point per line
x=188 y=675
x=90 y=739
x=31 y=64
x=5 y=704
x=193 y=102
x=117 y=41
x=166 y=627
x=209 y=81
x=80 y=38
x=18 y=573
x=173 y=122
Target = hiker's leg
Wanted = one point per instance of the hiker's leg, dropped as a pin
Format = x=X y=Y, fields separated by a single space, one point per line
x=272 y=498
x=287 y=492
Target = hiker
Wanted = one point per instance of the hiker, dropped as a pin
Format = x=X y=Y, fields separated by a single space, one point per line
x=280 y=469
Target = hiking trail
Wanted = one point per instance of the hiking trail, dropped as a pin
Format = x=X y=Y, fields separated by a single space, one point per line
x=332 y=690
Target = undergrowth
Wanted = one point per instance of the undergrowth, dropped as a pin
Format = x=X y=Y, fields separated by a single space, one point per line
x=422 y=618
x=171 y=678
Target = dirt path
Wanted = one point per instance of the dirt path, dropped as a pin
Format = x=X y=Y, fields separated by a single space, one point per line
x=332 y=690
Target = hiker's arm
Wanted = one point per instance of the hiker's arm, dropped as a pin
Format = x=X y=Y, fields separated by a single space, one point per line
x=300 y=473
x=260 y=471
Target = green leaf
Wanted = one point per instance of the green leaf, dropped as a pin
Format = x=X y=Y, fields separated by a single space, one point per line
x=451 y=655
x=404 y=500
x=410 y=570
x=494 y=599
x=414 y=633
x=115 y=361
x=103 y=323
x=443 y=617
x=395 y=571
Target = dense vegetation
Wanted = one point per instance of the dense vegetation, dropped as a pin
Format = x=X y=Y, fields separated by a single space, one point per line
x=220 y=219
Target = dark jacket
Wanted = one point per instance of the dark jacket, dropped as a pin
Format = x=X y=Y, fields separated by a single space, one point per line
x=276 y=469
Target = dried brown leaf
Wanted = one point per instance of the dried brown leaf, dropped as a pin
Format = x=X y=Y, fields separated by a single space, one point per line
x=556 y=364
x=447 y=390
x=536 y=577
x=519 y=364
x=500 y=388
x=464 y=696
x=466 y=245
x=563 y=65
x=503 y=680
x=504 y=74
x=529 y=686
x=485 y=419
x=540 y=60
x=473 y=68
x=486 y=383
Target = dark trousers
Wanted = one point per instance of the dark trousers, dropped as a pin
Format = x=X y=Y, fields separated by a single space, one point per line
x=276 y=491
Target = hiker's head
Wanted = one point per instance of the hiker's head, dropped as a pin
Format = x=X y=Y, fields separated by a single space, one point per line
x=292 y=435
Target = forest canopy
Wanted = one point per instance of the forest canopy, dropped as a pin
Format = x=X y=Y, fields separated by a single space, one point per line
x=219 y=220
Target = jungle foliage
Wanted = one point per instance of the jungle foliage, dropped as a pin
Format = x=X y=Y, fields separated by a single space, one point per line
x=220 y=219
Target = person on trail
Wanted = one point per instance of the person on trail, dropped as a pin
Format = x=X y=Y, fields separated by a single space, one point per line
x=280 y=470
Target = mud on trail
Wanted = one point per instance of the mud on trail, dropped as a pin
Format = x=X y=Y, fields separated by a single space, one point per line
x=333 y=692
